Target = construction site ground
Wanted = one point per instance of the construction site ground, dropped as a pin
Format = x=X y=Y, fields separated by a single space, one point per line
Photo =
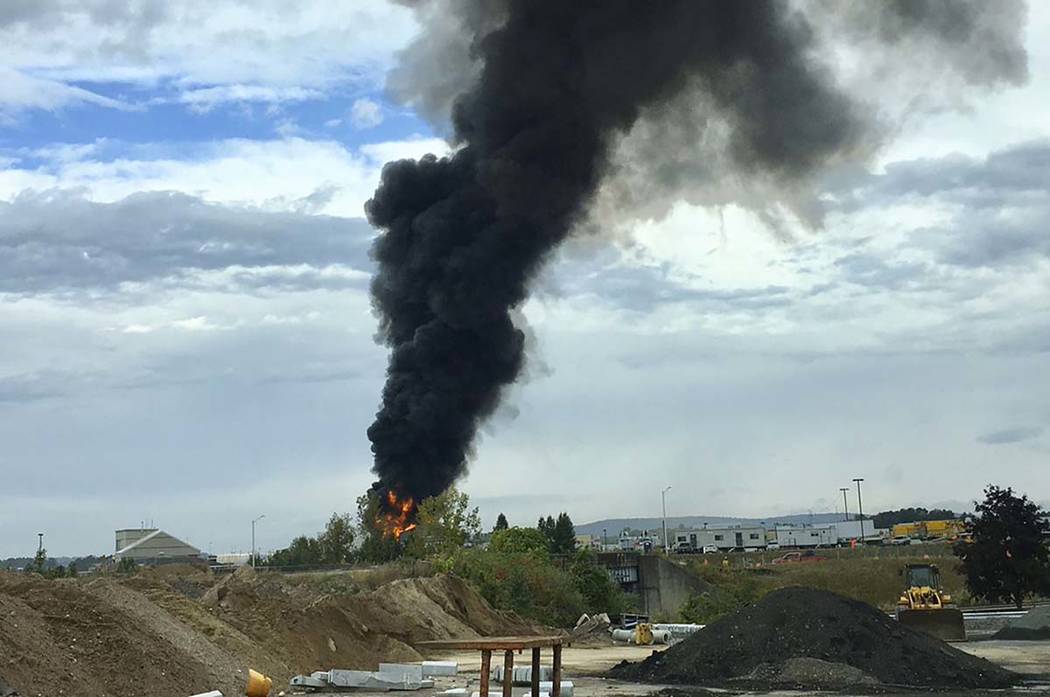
x=586 y=666
x=181 y=631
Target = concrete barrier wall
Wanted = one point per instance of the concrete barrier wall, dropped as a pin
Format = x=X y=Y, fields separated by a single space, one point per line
x=664 y=587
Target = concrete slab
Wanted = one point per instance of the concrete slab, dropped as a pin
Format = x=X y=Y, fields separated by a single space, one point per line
x=437 y=669
x=402 y=671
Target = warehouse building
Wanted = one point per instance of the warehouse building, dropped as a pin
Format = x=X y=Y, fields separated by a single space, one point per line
x=153 y=546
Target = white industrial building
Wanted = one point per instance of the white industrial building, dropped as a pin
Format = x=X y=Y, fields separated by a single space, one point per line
x=849 y=530
x=724 y=538
x=806 y=535
x=153 y=546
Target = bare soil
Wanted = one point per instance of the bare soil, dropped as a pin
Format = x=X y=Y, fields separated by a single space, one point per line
x=164 y=632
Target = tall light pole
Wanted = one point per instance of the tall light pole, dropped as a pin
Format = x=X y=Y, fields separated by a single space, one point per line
x=253 y=537
x=663 y=501
x=860 y=507
x=845 y=506
x=40 y=541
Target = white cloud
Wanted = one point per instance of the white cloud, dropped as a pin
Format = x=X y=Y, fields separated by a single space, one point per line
x=248 y=49
x=19 y=91
x=205 y=99
x=276 y=175
x=365 y=114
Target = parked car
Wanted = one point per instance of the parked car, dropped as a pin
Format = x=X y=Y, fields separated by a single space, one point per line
x=773 y=545
x=709 y=549
x=798 y=557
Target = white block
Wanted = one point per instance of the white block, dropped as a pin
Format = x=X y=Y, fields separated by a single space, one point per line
x=412 y=672
x=522 y=675
x=434 y=669
x=566 y=687
x=213 y=693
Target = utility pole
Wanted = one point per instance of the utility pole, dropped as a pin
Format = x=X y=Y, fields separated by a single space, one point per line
x=860 y=507
x=845 y=506
x=663 y=501
x=253 y=537
x=605 y=540
x=40 y=542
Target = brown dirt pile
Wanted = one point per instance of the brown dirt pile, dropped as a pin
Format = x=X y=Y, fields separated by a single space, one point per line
x=759 y=644
x=167 y=632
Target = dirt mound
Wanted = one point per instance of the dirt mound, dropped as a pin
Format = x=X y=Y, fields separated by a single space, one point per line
x=440 y=607
x=150 y=634
x=805 y=623
x=60 y=640
x=806 y=674
x=1034 y=626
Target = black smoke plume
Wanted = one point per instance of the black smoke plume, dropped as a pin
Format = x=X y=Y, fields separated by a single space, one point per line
x=555 y=84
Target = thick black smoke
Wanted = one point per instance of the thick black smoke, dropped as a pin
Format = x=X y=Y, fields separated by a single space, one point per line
x=559 y=83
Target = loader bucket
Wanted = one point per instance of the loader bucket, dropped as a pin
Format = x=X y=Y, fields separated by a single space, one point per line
x=946 y=624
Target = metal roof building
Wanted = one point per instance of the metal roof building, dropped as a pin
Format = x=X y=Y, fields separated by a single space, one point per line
x=152 y=545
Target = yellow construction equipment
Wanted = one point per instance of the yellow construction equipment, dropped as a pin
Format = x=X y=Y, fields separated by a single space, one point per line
x=925 y=607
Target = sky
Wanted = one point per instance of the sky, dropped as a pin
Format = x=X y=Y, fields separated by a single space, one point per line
x=186 y=334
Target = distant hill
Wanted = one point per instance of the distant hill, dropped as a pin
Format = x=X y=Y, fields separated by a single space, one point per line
x=613 y=526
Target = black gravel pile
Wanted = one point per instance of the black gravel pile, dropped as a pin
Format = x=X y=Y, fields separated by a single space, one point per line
x=802 y=622
x=1034 y=626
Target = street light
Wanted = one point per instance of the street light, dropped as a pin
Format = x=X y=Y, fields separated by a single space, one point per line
x=253 y=537
x=860 y=507
x=663 y=501
x=845 y=506
x=605 y=540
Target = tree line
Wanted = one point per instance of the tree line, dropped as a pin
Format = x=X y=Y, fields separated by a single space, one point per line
x=534 y=571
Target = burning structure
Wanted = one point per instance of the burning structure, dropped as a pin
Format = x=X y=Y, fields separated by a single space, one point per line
x=542 y=95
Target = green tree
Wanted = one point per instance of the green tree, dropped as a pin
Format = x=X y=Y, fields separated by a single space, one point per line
x=563 y=535
x=887 y=519
x=1006 y=557
x=72 y=571
x=127 y=565
x=527 y=583
x=376 y=547
x=39 y=561
x=303 y=551
x=444 y=523
x=336 y=543
x=600 y=593
x=519 y=541
x=546 y=526
x=501 y=523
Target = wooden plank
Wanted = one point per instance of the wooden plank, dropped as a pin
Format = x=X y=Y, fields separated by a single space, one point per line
x=507 y=643
x=536 y=672
x=555 y=689
x=486 y=663
x=508 y=673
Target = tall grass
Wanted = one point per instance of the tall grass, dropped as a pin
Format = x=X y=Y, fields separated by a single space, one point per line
x=876 y=581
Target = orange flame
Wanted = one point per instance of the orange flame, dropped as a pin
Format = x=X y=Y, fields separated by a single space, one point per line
x=394 y=520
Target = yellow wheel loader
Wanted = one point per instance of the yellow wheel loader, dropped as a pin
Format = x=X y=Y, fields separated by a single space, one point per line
x=925 y=607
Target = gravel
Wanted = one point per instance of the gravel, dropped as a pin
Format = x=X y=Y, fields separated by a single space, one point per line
x=1034 y=626
x=758 y=643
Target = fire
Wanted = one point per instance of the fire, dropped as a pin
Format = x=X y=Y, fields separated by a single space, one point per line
x=394 y=521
